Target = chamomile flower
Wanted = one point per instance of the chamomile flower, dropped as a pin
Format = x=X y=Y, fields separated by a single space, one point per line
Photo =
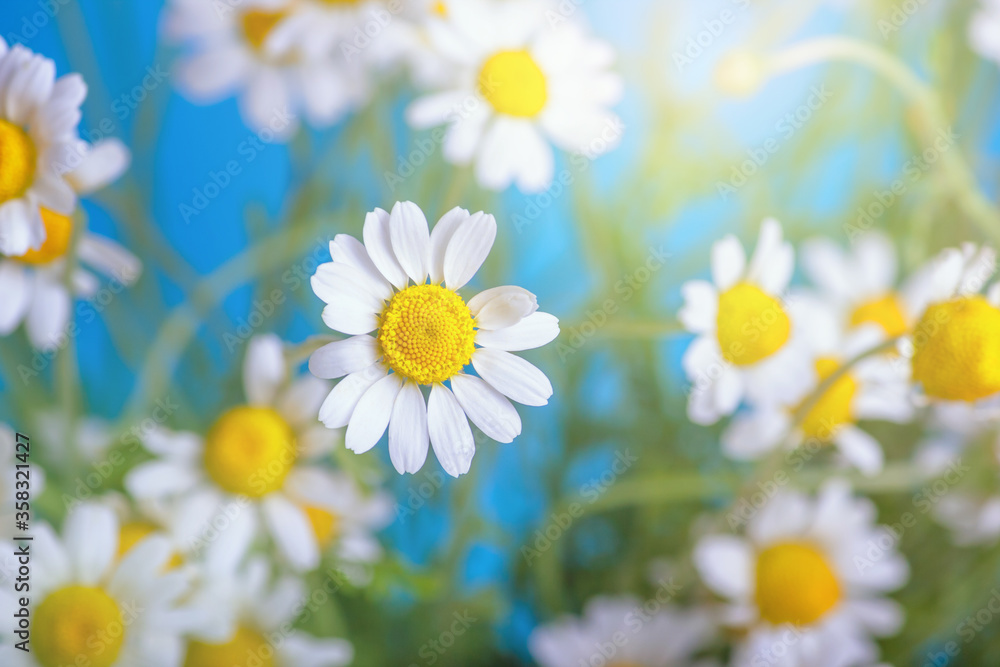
x=90 y=609
x=236 y=48
x=252 y=456
x=406 y=332
x=803 y=587
x=247 y=619
x=34 y=282
x=619 y=631
x=955 y=346
x=517 y=82
x=984 y=30
x=876 y=387
x=748 y=345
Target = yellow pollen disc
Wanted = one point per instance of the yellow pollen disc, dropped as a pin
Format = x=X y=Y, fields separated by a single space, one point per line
x=58 y=231
x=78 y=625
x=18 y=159
x=426 y=333
x=750 y=325
x=886 y=312
x=133 y=532
x=957 y=356
x=514 y=84
x=833 y=409
x=795 y=584
x=258 y=24
x=247 y=648
x=325 y=524
x=440 y=8
x=250 y=451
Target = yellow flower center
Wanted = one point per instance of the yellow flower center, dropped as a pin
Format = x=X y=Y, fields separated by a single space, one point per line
x=440 y=8
x=247 y=648
x=250 y=451
x=957 y=355
x=795 y=584
x=833 y=409
x=78 y=625
x=58 y=231
x=258 y=24
x=886 y=311
x=514 y=84
x=18 y=159
x=325 y=524
x=427 y=334
x=133 y=532
x=750 y=325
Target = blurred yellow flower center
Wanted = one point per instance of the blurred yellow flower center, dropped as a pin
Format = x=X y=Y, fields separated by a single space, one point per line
x=795 y=584
x=426 y=333
x=325 y=524
x=514 y=84
x=258 y=24
x=440 y=8
x=247 y=648
x=17 y=161
x=957 y=355
x=885 y=311
x=750 y=325
x=78 y=625
x=250 y=451
x=58 y=231
x=833 y=409
x=133 y=532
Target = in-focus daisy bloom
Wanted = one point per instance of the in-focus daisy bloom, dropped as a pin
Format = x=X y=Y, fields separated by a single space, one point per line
x=397 y=297
x=89 y=609
x=253 y=455
x=44 y=162
x=620 y=632
x=34 y=282
x=803 y=587
x=748 y=346
x=956 y=343
x=516 y=81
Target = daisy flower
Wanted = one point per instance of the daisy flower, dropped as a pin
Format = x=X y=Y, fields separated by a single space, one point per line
x=247 y=619
x=876 y=387
x=748 y=345
x=955 y=346
x=619 y=631
x=34 y=282
x=88 y=609
x=239 y=48
x=984 y=30
x=252 y=456
x=425 y=334
x=515 y=82
x=804 y=587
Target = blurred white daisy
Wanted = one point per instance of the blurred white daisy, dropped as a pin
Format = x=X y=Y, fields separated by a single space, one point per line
x=955 y=346
x=34 y=282
x=90 y=609
x=984 y=29
x=516 y=82
x=748 y=345
x=619 y=631
x=252 y=456
x=247 y=619
x=425 y=334
x=876 y=387
x=805 y=586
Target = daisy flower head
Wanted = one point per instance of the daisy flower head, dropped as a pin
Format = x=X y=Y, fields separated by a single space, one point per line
x=874 y=387
x=88 y=608
x=407 y=332
x=34 y=281
x=517 y=82
x=984 y=30
x=618 y=631
x=251 y=457
x=801 y=586
x=748 y=345
x=955 y=346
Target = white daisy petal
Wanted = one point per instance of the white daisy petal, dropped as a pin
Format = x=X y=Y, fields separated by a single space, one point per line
x=728 y=262
x=16 y=288
x=293 y=534
x=501 y=307
x=514 y=377
x=378 y=243
x=103 y=164
x=487 y=408
x=408 y=437
x=440 y=237
x=348 y=250
x=468 y=249
x=264 y=369
x=861 y=449
x=48 y=314
x=449 y=430
x=350 y=315
x=701 y=306
x=91 y=538
x=335 y=282
x=338 y=407
x=533 y=331
x=726 y=564
x=344 y=357
x=410 y=240
x=371 y=416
